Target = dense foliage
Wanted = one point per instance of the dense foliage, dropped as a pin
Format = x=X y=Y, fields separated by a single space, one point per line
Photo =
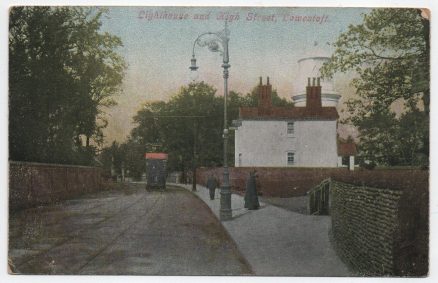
x=390 y=53
x=62 y=73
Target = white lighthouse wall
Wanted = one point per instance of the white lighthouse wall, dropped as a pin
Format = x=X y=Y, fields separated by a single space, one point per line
x=266 y=143
x=310 y=68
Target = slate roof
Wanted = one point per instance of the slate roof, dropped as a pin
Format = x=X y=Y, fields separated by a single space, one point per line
x=346 y=149
x=296 y=113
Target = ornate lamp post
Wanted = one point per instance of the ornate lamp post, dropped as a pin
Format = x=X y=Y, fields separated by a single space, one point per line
x=218 y=42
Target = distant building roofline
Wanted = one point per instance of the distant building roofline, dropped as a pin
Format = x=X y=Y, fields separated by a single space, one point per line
x=347 y=148
x=156 y=155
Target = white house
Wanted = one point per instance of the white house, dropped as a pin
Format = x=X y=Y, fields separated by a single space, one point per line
x=287 y=136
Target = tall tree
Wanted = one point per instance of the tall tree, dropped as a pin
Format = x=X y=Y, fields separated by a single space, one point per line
x=189 y=124
x=62 y=72
x=389 y=51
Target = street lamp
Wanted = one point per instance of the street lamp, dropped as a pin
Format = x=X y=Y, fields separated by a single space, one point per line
x=194 y=69
x=218 y=42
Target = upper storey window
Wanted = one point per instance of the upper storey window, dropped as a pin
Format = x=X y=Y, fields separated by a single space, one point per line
x=290 y=128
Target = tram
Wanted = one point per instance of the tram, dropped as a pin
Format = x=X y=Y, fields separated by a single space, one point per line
x=156 y=170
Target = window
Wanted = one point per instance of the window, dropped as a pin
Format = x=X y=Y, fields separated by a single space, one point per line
x=345 y=160
x=290 y=128
x=290 y=158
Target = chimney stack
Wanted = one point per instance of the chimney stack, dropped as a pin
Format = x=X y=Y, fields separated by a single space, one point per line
x=313 y=94
x=265 y=97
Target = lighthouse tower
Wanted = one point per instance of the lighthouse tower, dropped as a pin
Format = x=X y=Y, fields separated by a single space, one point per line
x=308 y=67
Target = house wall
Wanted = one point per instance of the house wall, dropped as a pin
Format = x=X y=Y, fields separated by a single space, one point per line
x=266 y=143
x=262 y=143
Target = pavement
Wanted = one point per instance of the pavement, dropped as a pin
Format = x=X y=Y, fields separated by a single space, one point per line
x=128 y=232
x=277 y=241
x=296 y=204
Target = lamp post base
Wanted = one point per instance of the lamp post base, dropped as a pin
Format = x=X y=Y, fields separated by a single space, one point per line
x=225 y=208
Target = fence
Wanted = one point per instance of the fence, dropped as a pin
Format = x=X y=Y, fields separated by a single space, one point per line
x=32 y=184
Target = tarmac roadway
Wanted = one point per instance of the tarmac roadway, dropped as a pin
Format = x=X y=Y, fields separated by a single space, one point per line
x=127 y=231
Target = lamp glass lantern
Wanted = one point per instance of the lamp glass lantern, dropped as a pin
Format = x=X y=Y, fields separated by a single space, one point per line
x=194 y=74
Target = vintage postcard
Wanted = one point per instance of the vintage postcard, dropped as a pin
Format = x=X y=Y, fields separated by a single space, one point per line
x=218 y=140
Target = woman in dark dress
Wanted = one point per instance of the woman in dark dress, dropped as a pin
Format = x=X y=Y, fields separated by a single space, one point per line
x=251 y=198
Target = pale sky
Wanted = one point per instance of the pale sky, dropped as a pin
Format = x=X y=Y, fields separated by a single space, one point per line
x=263 y=42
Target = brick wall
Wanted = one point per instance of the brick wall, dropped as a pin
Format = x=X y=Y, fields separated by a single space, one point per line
x=376 y=232
x=32 y=184
x=290 y=182
x=271 y=181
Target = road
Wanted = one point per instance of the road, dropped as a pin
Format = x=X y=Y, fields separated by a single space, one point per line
x=128 y=231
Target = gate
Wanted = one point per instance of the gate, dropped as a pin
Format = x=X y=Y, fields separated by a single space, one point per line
x=319 y=198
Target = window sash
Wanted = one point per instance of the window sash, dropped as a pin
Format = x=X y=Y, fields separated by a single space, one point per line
x=290 y=158
x=290 y=128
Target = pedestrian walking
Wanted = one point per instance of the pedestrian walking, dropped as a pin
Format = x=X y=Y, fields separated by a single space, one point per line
x=211 y=185
x=251 y=198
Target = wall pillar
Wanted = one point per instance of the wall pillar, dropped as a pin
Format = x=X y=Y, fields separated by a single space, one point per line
x=351 y=163
x=339 y=161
